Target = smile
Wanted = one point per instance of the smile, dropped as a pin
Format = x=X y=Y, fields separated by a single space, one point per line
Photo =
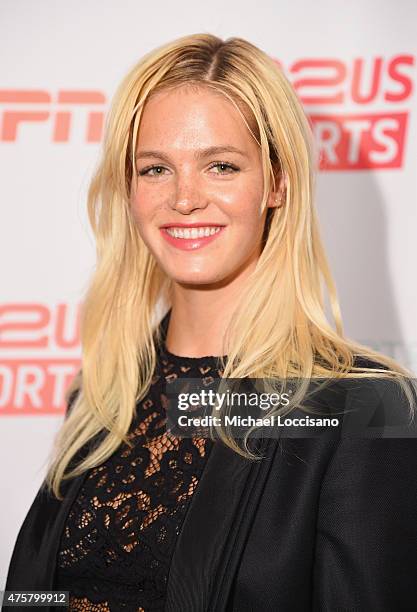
x=194 y=232
x=191 y=238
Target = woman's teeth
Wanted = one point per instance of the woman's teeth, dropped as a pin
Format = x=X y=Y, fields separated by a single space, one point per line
x=194 y=232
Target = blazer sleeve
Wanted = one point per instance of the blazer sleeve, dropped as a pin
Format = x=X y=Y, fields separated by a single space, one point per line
x=366 y=537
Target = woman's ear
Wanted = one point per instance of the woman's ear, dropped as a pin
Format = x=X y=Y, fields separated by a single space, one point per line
x=277 y=196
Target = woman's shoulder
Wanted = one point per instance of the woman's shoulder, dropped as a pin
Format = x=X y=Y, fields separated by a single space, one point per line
x=368 y=406
x=396 y=386
x=363 y=361
x=378 y=438
x=393 y=391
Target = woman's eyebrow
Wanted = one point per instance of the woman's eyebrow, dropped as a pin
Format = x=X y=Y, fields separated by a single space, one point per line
x=198 y=154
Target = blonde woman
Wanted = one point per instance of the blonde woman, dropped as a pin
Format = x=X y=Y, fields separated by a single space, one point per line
x=203 y=204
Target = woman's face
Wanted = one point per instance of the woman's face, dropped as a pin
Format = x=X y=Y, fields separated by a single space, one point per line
x=198 y=165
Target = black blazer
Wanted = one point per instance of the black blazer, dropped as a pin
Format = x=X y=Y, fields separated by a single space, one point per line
x=321 y=524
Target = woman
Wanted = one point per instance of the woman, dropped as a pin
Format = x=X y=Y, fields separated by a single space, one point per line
x=203 y=206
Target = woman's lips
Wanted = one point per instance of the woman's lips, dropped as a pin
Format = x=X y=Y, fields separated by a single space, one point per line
x=188 y=244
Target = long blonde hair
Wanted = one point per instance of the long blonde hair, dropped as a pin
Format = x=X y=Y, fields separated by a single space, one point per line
x=279 y=327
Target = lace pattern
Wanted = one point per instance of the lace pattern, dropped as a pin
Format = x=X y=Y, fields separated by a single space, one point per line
x=120 y=534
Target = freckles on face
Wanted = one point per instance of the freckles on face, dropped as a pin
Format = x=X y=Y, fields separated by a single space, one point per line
x=197 y=163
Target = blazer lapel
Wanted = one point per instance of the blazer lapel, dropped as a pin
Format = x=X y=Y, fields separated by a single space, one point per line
x=215 y=527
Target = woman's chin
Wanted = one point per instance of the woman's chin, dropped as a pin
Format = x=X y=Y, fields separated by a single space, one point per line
x=197 y=278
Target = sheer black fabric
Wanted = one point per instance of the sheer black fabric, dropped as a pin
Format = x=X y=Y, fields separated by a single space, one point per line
x=120 y=534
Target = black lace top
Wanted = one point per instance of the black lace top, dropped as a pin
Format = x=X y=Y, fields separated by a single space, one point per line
x=120 y=533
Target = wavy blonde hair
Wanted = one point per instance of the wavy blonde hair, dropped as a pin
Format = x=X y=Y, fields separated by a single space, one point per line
x=279 y=327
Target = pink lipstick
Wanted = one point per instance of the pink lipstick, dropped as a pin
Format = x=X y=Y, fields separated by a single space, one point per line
x=191 y=236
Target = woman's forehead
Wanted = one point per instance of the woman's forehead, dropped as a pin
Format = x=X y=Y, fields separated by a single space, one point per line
x=193 y=109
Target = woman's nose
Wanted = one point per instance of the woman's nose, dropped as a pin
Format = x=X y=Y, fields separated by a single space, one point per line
x=187 y=195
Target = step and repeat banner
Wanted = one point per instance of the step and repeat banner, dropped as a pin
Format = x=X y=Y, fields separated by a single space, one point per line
x=354 y=69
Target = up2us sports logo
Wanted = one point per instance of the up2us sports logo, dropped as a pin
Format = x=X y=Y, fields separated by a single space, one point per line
x=359 y=110
x=39 y=356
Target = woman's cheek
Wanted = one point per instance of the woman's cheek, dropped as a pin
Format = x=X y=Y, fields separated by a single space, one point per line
x=142 y=208
x=246 y=215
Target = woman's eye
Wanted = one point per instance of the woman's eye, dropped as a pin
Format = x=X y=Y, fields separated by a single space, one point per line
x=225 y=168
x=222 y=167
x=149 y=171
